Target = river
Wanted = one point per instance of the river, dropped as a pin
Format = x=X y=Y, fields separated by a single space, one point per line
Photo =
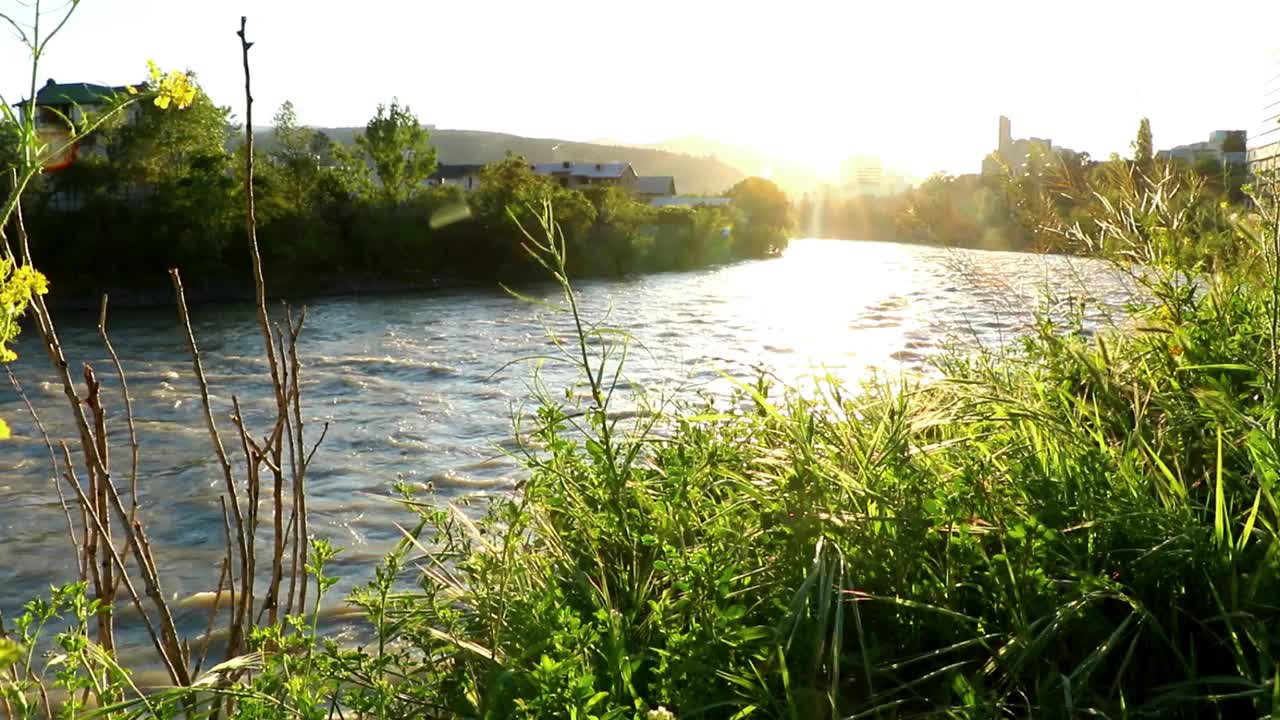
x=407 y=383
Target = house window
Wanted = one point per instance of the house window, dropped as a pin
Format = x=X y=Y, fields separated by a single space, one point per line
x=47 y=115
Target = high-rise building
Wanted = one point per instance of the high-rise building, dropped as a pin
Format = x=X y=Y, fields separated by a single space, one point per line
x=1264 y=146
x=1015 y=155
x=862 y=175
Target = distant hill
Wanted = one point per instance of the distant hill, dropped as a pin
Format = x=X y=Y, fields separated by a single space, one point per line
x=694 y=175
x=790 y=176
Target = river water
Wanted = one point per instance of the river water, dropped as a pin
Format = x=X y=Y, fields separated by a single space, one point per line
x=407 y=383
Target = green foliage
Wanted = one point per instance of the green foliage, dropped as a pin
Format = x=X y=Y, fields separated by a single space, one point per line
x=1143 y=152
x=399 y=150
x=1056 y=203
x=767 y=216
x=1084 y=528
x=162 y=193
x=158 y=145
x=300 y=155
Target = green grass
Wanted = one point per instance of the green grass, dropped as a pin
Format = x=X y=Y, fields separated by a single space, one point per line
x=1086 y=527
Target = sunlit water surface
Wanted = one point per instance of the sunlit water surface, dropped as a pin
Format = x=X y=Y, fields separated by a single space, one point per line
x=407 y=383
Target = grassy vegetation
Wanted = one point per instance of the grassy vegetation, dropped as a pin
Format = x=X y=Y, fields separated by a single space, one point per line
x=1086 y=526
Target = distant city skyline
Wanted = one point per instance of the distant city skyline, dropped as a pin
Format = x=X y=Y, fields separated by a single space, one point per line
x=917 y=84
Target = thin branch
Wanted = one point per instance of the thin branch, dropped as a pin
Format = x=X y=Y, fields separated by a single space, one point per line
x=128 y=410
x=124 y=575
x=216 y=439
x=217 y=603
x=252 y=459
x=302 y=531
x=53 y=462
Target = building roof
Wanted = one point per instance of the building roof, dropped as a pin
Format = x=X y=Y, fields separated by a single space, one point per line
x=454 y=172
x=76 y=93
x=583 y=169
x=656 y=185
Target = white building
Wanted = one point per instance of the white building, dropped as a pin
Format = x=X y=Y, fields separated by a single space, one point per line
x=1225 y=147
x=864 y=175
x=578 y=175
x=1264 y=146
x=653 y=187
x=466 y=177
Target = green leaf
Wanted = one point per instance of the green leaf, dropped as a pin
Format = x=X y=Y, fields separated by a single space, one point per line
x=10 y=653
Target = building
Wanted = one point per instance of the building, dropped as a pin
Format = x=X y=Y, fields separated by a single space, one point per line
x=579 y=175
x=466 y=177
x=1016 y=155
x=1264 y=146
x=863 y=176
x=652 y=187
x=60 y=103
x=1225 y=148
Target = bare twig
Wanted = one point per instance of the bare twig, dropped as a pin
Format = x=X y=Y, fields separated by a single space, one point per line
x=233 y=642
x=231 y=584
x=128 y=410
x=217 y=603
x=251 y=226
x=175 y=672
x=98 y=484
x=253 y=460
x=53 y=462
x=301 y=531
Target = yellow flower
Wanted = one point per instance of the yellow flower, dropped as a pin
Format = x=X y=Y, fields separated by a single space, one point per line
x=5 y=433
x=18 y=284
x=171 y=88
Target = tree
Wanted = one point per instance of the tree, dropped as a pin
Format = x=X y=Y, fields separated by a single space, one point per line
x=511 y=184
x=767 y=216
x=1143 y=155
x=399 y=149
x=164 y=195
x=159 y=145
x=763 y=202
x=292 y=154
x=10 y=146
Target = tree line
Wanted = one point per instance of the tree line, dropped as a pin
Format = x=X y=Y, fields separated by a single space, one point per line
x=164 y=189
x=1048 y=206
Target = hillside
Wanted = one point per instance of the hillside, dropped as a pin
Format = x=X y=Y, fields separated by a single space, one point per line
x=789 y=175
x=694 y=175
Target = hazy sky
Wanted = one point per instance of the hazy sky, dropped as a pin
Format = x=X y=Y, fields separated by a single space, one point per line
x=918 y=83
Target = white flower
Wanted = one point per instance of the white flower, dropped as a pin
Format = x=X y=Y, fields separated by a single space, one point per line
x=660 y=714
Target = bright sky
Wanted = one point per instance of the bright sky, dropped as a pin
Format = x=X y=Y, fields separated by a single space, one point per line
x=919 y=83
